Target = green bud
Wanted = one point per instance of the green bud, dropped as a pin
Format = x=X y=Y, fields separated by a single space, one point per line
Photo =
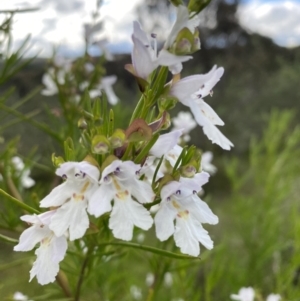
x=57 y=161
x=166 y=103
x=176 y=2
x=188 y=171
x=196 y=6
x=117 y=139
x=100 y=145
x=82 y=124
x=184 y=42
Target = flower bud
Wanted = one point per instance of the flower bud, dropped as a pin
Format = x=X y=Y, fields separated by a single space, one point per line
x=166 y=102
x=57 y=161
x=117 y=139
x=188 y=171
x=196 y=6
x=176 y=2
x=184 y=42
x=82 y=124
x=100 y=145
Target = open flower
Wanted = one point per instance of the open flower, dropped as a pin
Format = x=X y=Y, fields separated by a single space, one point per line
x=72 y=198
x=52 y=248
x=185 y=121
x=206 y=164
x=23 y=172
x=273 y=297
x=190 y=91
x=20 y=297
x=245 y=294
x=145 y=58
x=181 y=203
x=106 y=84
x=119 y=182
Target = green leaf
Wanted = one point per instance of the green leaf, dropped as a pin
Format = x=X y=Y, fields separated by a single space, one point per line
x=8 y=239
x=139 y=158
x=19 y=203
x=149 y=249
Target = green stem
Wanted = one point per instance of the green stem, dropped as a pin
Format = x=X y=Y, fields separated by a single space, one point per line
x=19 y=203
x=149 y=249
x=82 y=272
x=137 y=109
x=8 y=239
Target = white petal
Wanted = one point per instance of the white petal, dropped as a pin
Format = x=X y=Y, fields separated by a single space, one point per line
x=142 y=191
x=106 y=84
x=181 y=22
x=100 y=202
x=184 y=237
x=273 y=297
x=165 y=143
x=31 y=236
x=203 y=113
x=196 y=84
x=214 y=134
x=59 y=248
x=165 y=58
x=27 y=182
x=164 y=222
x=58 y=196
x=126 y=214
x=195 y=183
x=169 y=189
x=73 y=216
x=139 y=33
x=202 y=212
x=141 y=59
x=44 y=268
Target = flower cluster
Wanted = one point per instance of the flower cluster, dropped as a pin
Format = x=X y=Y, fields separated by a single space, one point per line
x=129 y=171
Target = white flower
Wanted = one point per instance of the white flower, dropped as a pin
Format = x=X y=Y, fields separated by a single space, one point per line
x=144 y=56
x=183 y=20
x=106 y=85
x=168 y=279
x=185 y=121
x=119 y=182
x=20 y=297
x=245 y=294
x=190 y=91
x=101 y=43
x=150 y=278
x=49 y=82
x=72 y=196
x=52 y=249
x=273 y=297
x=206 y=165
x=136 y=292
x=24 y=173
x=181 y=202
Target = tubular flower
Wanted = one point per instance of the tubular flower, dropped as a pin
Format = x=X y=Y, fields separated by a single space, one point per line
x=72 y=198
x=52 y=248
x=120 y=183
x=181 y=203
x=144 y=56
x=190 y=91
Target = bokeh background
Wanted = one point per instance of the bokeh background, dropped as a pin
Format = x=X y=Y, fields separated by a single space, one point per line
x=256 y=189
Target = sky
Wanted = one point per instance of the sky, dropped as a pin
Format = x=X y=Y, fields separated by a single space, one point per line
x=60 y=23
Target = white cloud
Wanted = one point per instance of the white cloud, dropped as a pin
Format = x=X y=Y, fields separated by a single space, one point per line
x=278 y=20
x=60 y=23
